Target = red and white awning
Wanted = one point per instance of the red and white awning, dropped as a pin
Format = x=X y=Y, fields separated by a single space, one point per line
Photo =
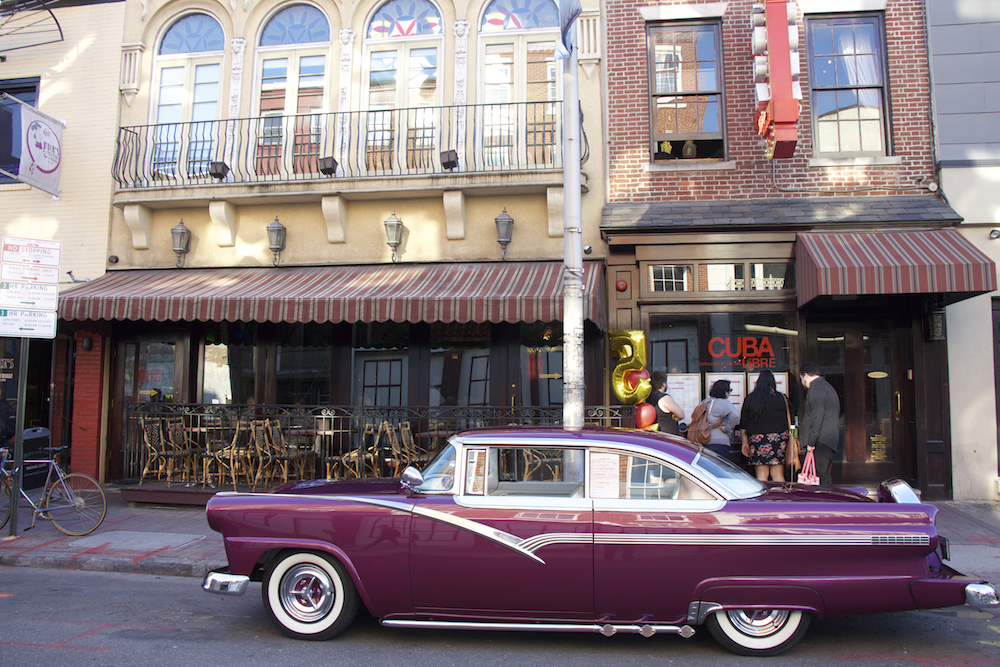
x=939 y=261
x=469 y=292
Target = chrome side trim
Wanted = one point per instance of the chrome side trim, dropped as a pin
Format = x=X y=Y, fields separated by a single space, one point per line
x=606 y=629
x=765 y=539
x=982 y=596
x=225 y=583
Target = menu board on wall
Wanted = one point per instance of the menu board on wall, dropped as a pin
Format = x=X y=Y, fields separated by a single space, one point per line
x=737 y=383
x=780 y=381
x=685 y=389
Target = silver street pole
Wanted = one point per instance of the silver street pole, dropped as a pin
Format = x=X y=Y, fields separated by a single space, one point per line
x=573 y=380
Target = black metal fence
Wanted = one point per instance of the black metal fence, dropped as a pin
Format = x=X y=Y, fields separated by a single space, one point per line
x=372 y=143
x=324 y=435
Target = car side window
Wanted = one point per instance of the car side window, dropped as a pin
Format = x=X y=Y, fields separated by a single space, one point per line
x=525 y=471
x=614 y=475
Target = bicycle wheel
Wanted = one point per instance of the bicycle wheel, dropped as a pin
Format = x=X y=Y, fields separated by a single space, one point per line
x=76 y=505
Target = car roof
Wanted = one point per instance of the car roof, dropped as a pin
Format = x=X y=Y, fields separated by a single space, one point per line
x=557 y=436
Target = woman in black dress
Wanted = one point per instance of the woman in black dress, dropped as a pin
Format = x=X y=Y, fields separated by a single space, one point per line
x=764 y=423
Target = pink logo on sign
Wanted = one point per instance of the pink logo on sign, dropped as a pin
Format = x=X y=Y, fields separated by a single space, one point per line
x=43 y=147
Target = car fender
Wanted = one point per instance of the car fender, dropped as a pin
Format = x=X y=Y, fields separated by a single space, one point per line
x=753 y=593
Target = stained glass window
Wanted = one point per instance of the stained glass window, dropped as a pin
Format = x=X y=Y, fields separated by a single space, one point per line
x=298 y=24
x=405 y=18
x=520 y=15
x=195 y=33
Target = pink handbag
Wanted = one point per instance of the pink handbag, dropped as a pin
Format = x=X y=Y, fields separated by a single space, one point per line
x=808 y=474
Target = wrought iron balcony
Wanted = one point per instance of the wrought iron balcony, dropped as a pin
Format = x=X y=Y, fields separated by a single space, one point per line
x=482 y=138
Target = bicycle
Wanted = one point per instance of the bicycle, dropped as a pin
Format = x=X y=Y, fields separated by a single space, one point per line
x=75 y=503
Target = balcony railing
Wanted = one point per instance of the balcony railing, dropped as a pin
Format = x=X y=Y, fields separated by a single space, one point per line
x=324 y=439
x=358 y=144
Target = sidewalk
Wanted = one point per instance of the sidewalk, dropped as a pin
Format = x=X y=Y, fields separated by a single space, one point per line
x=176 y=540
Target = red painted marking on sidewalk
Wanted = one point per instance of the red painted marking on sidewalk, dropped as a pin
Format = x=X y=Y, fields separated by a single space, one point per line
x=151 y=553
x=89 y=551
x=40 y=546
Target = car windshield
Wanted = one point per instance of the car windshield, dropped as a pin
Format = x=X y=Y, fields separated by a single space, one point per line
x=439 y=475
x=740 y=483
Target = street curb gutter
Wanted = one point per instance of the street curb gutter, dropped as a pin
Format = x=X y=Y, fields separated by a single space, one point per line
x=103 y=563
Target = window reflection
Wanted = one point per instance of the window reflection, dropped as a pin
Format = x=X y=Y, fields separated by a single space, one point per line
x=228 y=375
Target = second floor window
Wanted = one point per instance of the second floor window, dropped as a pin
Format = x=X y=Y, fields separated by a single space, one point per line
x=291 y=59
x=847 y=82
x=188 y=65
x=403 y=44
x=685 y=91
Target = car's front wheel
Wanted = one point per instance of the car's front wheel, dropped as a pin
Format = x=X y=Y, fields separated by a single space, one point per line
x=309 y=595
x=758 y=632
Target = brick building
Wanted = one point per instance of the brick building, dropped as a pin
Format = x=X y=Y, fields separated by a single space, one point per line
x=844 y=253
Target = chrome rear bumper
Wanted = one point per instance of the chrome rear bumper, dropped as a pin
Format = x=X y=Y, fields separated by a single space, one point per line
x=982 y=596
x=224 y=583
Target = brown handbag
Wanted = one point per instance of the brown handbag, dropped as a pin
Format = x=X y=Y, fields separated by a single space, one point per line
x=792 y=450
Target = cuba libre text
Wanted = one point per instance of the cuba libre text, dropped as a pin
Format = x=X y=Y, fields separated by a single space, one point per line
x=754 y=352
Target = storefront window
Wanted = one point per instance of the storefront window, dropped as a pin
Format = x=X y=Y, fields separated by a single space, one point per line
x=542 y=364
x=697 y=350
x=380 y=363
x=460 y=364
x=772 y=276
x=228 y=363
x=721 y=277
x=303 y=364
x=670 y=278
x=149 y=371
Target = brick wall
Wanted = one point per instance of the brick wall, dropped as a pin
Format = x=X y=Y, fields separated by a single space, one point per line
x=628 y=118
x=88 y=391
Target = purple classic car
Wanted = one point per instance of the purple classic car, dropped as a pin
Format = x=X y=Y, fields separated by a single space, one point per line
x=599 y=530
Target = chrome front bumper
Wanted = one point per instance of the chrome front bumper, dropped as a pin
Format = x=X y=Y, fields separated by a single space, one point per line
x=224 y=583
x=982 y=596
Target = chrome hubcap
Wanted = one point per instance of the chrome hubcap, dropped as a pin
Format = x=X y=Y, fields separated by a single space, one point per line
x=758 y=622
x=306 y=593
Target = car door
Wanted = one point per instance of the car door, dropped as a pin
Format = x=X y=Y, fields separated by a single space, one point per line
x=514 y=541
x=648 y=551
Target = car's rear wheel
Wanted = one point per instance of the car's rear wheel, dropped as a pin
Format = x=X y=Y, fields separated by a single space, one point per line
x=309 y=595
x=758 y=632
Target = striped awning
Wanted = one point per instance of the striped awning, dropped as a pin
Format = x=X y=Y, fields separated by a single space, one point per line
x=939 y=261
x=471 y=292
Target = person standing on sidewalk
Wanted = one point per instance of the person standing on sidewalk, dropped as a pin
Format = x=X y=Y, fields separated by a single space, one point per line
x=820 y=428
x=668 y=413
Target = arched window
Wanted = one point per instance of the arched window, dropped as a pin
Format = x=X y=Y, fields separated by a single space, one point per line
x=187 y=76
x=291 y=58
x=402 y=46
x=519 y=82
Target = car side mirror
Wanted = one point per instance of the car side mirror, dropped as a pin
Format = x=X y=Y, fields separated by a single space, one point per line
x=412 y=477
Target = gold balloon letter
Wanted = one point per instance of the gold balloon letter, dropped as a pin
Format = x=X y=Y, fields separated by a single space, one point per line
x=630 y=379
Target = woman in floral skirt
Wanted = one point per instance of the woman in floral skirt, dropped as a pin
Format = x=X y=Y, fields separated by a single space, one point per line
x=764 y=425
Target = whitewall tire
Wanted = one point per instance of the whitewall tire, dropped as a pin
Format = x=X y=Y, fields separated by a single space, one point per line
x=758 y=632
x=309 y=595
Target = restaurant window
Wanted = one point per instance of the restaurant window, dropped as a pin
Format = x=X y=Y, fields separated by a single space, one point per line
x=304 y=359
x=721 y=277
x=696 y=350
x=459 y=364
x=25 y=90
x=542 y=364
x=670 y=278
x=380 y=363
x=149 y=371
x=685 y=91
x=847 y=85
x=228 y=375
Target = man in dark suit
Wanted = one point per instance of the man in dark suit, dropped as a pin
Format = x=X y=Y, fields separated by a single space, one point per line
x=820 y=429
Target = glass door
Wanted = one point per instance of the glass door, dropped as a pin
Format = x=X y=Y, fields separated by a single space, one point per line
x=866 y=366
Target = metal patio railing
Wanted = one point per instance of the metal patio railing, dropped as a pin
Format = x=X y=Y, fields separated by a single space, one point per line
x=475 y=138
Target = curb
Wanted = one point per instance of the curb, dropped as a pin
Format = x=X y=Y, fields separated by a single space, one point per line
x=102 y=563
